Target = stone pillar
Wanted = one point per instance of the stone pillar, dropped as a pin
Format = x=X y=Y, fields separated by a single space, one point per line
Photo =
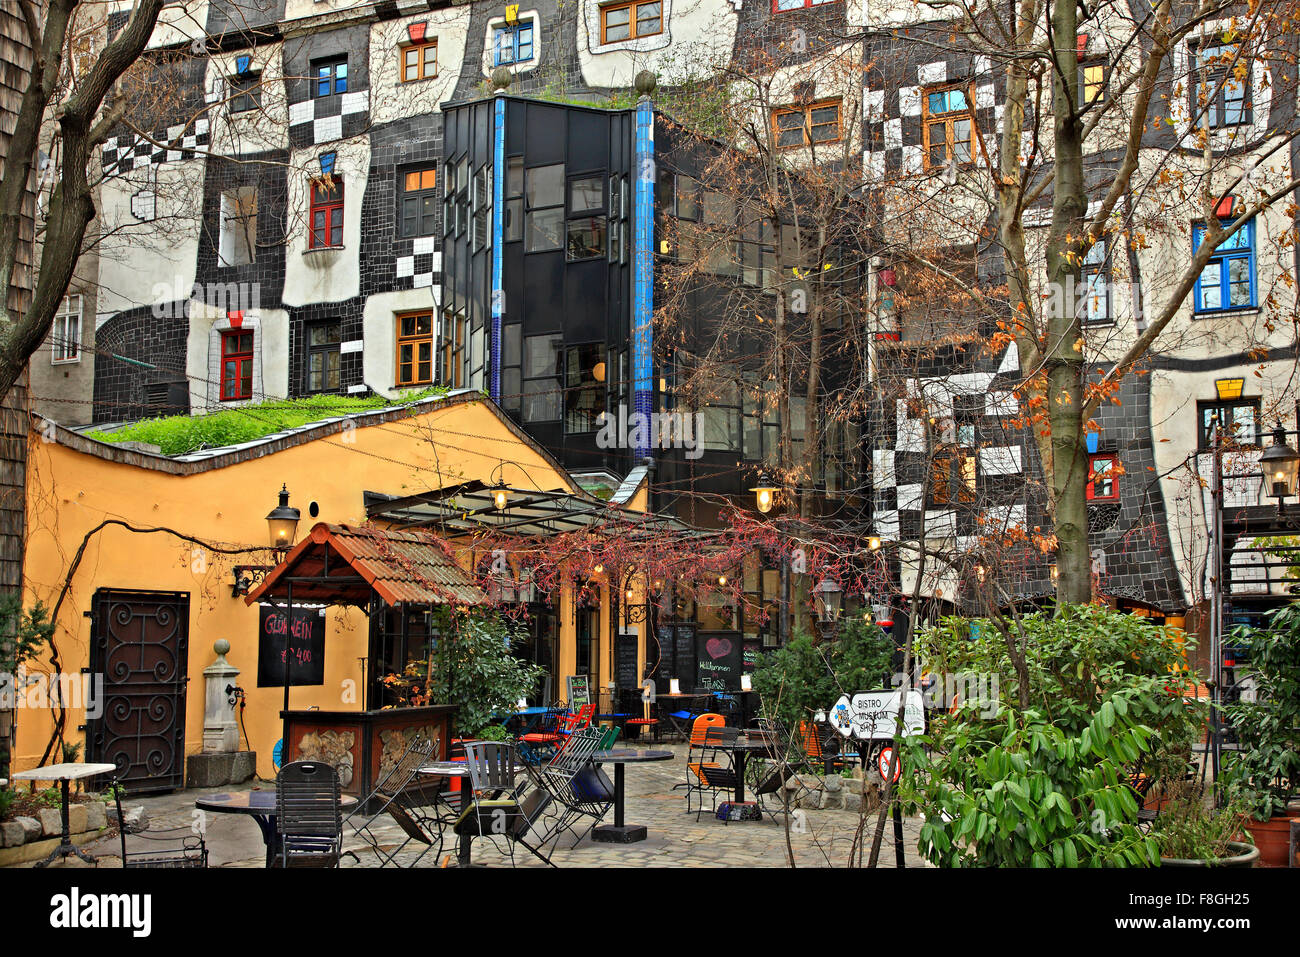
x=220 y=731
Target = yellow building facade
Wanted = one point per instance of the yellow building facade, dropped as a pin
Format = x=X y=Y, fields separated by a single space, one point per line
x=104 y=520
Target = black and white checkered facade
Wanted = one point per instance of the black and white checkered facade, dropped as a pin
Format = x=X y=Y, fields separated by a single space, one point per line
x=892 y=111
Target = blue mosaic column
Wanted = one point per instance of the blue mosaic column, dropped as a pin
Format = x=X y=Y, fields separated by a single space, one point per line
x=498 y=242
x=643 y=270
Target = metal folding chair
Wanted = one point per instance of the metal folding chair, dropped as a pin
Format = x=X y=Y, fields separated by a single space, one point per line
x=174 y=847
x=402 y=795
x=577 y=788
x=499 y=806
x=715 y=769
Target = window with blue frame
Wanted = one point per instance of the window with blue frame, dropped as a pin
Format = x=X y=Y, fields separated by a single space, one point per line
x=512 y=44
x=1228 y=279
x=329 y=76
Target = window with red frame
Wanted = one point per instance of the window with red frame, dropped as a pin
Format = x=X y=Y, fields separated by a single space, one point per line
x=326 y=213
x=781 y=6
x=236 y=365
x=1103 y=479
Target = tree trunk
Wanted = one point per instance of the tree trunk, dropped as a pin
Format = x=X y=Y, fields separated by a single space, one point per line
x=16 y=59
x=1067 y=472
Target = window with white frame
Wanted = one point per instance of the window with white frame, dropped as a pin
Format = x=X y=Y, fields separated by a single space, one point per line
x=237 y=245
x=1094 y=286
x=65 y=333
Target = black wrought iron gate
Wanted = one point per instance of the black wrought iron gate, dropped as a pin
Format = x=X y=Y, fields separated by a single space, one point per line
x=140 y=644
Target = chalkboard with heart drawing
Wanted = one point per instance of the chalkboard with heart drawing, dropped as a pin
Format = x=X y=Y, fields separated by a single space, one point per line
x=718 y=660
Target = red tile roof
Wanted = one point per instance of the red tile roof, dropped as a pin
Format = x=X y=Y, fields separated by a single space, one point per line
x=413 y=567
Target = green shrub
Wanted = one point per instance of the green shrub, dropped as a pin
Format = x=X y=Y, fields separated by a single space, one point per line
x=806 y=676
x=472 y=667
x=181 y=434
x=1266 y=771
x=1046 y=784
x=1189 y=829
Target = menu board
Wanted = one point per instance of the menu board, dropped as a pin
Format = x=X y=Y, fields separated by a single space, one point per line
x=749 y=655
x=718 y=661
x=625 y=675
x=579 y=692
x=305 y=631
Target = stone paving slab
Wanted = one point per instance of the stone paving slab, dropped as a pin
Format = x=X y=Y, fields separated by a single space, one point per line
x=674 y=838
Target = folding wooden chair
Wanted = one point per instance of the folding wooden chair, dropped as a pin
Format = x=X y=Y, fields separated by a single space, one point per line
x=309 y=816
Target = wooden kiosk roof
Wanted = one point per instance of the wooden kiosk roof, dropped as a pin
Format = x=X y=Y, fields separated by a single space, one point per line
x=346 y=564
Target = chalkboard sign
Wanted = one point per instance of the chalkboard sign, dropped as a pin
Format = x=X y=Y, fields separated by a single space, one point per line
x=306 y=636
x=718 y=661
x=579 y=693
x=625 y=675
x=684 y=656
x=749 y=656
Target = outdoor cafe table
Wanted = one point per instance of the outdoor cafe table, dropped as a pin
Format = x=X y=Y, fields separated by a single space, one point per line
x=740 y=750
x=260 y=806
x=681 y=702
x=64 y=773
x=618 y=832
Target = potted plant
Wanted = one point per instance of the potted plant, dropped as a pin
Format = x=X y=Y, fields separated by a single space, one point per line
x=1190 y=834
x=1265 y=773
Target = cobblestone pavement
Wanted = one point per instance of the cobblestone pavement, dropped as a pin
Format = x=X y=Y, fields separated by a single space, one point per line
x=823 y=838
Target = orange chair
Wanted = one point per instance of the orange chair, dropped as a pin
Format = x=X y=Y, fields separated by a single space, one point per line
x=812 y=747
x=703 y=772
x=699 y=731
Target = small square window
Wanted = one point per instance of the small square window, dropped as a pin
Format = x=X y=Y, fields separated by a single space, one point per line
x=805 y=126
x=419 y=61
x=65 y=333
x=512 y=44
x=628 y=21
x=1103 y=478
x=329 y=76
x=415 y=349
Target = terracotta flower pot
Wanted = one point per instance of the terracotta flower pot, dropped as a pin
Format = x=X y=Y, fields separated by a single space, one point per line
x=1243 y=855
x=1272 y=837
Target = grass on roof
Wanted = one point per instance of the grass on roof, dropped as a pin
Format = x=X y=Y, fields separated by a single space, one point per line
x=182 y=434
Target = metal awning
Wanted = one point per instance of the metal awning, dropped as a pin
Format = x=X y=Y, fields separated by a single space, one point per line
x=469 y=508
x=346 y=565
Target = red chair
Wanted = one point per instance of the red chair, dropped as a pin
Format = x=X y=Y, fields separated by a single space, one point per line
x=580 y=720
x=651 y=725
x=547 y=737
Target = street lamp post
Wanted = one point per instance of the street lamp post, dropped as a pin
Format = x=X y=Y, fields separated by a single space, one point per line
x=829 y=598
x=1280 y=464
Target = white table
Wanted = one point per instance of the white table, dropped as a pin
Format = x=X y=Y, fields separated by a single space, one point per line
x=65 y=773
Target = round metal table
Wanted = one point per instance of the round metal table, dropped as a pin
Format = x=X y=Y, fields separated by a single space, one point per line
x=260 y=806
x=618 y=832
x=741 y=749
